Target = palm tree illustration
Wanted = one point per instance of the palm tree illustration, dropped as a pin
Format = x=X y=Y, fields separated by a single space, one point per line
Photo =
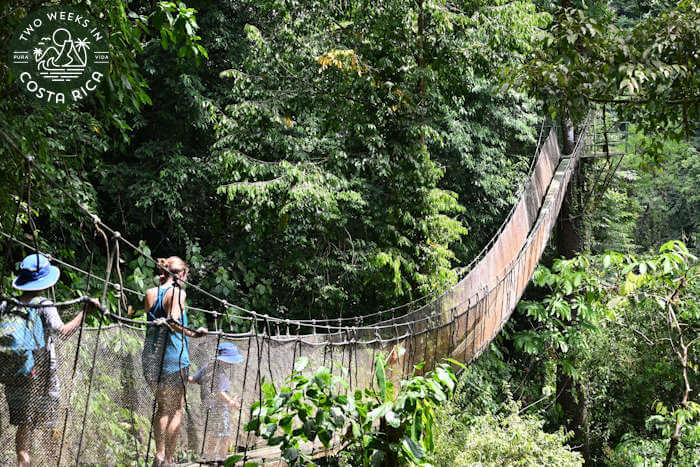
x=79 y=49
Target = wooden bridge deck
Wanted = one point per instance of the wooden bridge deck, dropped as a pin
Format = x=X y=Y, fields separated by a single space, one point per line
x=271 y=456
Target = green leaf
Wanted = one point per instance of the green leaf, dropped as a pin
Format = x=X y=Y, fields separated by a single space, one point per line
x=417 y=426
x=379 y=411
x=301 y=364
x=337 y=417
x=290 y=455
x=286 y=423
x=455 y=362
x=232 y=460
x=356 y=432
x=322 y=377
x=568 y=287
x=563 y=346
x=268 y=389
x=325 y=437
x=444 y=377
x=412 y=448
x=270 y=430
x=310 y=429
x=436 y=390
x=392 y=419
x=253 y=425
x=164 y=40
x=380 y=372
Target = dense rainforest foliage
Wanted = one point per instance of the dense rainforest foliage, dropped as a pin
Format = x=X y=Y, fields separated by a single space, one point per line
x=318 y=150
x=330 y=159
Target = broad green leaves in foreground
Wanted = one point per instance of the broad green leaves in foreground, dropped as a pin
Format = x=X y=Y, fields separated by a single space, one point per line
x=382 y=425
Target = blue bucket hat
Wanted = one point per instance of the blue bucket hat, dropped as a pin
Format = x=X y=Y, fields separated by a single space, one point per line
x=35 y=273
x=228 y=353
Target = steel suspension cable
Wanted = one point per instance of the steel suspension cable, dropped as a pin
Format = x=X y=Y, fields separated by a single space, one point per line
x=340 y=328
x=77 y=353
x=223 y=301
x=94 y=354
x=211 y=392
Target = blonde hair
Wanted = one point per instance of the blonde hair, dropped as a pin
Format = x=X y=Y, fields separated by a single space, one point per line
x=172 y=265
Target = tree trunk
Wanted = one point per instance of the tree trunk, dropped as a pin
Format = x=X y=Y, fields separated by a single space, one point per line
x=572 y=394
x=567 y=131
x=573 y=400
x=421 y=57
x=569 y=240
x=682 y=353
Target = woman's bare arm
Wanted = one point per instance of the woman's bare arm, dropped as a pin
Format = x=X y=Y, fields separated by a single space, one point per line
x=149 y=299
x=174 y=302
x=231 y=401
x=180 y=329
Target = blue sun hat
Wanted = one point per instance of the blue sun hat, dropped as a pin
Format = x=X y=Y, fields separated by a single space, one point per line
x=36 y=273
x=228 y=353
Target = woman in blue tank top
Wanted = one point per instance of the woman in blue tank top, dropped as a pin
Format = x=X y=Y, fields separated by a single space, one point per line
x=165 y=358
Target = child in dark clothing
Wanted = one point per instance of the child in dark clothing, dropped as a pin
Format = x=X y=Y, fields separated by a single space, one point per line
x=216 y=401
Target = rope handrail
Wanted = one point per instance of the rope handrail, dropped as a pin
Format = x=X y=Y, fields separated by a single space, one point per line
x=257 y=317
x=117 y=235
x=409 y=324
x=573 y=155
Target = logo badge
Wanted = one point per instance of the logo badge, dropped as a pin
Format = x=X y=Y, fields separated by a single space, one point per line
x=59 y=54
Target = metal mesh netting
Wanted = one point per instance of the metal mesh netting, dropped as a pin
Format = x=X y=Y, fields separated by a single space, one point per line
x=106 y=408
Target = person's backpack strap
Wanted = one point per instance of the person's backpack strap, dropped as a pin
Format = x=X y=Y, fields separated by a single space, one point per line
x=40 y=318
x=44 y=322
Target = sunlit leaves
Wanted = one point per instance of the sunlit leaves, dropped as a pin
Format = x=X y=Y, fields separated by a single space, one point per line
x=178 y=25
x=307 y=409
x=648 y=70
x=339 y=134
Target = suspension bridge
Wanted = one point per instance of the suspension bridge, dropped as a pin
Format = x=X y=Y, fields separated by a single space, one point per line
x=106 y=408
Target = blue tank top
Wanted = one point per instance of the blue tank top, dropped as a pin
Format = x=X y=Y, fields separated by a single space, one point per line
x=176 y=355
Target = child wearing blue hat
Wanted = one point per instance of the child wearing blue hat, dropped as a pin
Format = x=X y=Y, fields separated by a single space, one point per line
x=33 y=394
x=214 y=386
